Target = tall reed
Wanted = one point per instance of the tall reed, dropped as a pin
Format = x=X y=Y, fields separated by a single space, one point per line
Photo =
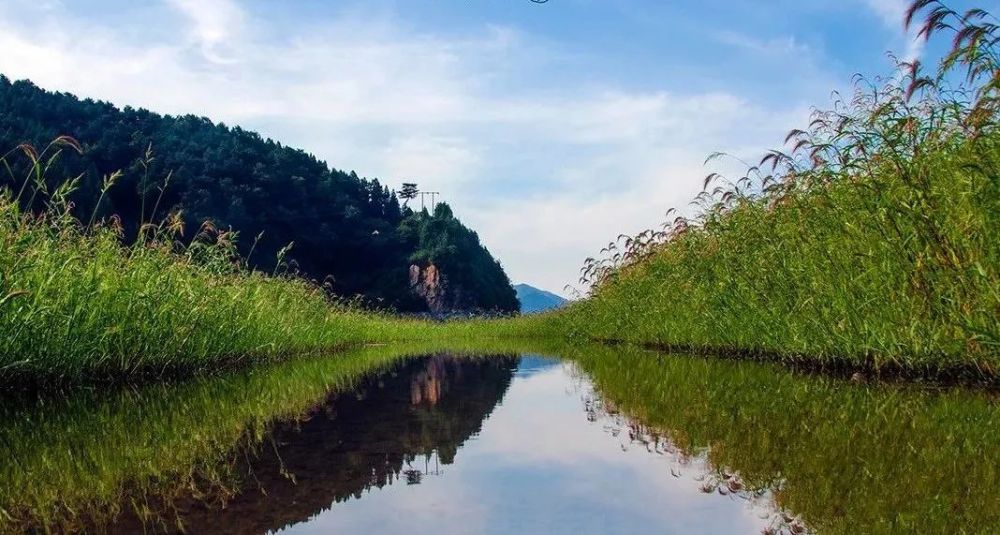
x=75 y=302
x=872 y=240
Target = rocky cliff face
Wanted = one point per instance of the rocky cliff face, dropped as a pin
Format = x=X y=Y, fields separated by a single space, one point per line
x=432 y=285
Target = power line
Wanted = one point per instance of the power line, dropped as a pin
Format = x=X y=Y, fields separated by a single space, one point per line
x=433 y=195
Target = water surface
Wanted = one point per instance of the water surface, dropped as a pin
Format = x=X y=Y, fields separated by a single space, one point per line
x=604 y=440
x=527 y=451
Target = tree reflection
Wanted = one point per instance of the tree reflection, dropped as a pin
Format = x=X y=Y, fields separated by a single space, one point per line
x=377 y=434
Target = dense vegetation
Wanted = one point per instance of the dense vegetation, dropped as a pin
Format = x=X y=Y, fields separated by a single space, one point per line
x=476 y=279
x=872 y=243
x=347 y=232
x=77 y=303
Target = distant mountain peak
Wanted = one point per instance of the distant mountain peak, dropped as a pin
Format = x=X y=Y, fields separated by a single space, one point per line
x=537 y=300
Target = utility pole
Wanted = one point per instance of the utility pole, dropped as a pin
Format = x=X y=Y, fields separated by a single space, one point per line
x=433 y=195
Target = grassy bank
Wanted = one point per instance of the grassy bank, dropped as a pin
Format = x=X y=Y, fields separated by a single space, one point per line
x=76 y=303
x=872 y=241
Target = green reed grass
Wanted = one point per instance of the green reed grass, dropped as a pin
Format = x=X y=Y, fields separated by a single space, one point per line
x=873 y=242
x=77 y=303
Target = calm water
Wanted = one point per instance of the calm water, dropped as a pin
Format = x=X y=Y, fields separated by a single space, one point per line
x=506 y=447
x=604 y=442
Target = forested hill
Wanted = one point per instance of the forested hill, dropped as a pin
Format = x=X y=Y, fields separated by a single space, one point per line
x=347 y=231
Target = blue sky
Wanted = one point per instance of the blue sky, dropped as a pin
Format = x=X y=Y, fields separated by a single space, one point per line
x=550 y=128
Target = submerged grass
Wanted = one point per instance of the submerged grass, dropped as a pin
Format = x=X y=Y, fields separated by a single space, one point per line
x=872 y=243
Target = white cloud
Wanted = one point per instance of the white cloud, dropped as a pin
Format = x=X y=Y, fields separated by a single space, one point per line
x=214 y=24
x=547 y=174
x=446 y=161
x=891 y=13
x=778 y=46
x=558 y=229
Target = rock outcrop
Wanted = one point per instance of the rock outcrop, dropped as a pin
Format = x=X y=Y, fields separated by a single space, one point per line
x=433 y=287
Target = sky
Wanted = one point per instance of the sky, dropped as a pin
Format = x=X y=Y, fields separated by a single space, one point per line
x=550 y=128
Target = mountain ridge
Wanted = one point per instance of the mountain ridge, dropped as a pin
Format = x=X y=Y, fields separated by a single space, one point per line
x=534 y=300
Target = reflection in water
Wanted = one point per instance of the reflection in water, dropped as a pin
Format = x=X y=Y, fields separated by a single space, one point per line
x=693 y=465
x=542 y=465
x=403 y=424
x=839 y=457
x=371 y=442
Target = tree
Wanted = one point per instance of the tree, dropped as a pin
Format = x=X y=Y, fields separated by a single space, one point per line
x=408 y=192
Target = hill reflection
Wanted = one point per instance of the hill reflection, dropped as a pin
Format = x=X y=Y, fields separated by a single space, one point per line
x=396 y=427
